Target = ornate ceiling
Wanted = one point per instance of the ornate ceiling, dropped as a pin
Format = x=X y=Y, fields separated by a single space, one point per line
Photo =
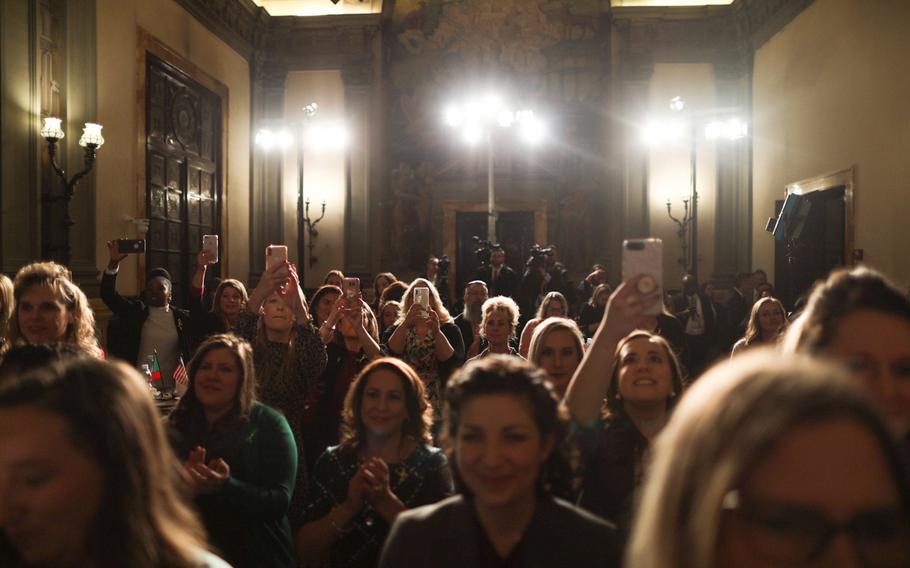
x=320 y=7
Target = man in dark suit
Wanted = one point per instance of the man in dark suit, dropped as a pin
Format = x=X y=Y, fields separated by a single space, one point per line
x=739 y=306
x=499 y=278
x=148 y=325
x=696 y=313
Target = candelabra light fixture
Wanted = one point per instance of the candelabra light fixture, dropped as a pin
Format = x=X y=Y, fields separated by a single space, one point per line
x=91 y=140
x=682 y=228
x=311 y=227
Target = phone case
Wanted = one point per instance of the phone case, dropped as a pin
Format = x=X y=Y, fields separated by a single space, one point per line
x=644 y=256
x=131 y=246
x=210 y=243
x=275 y=255
x=422 y=297
x=351 y=287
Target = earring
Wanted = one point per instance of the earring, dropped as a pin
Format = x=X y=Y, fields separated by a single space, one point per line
x=618 y=396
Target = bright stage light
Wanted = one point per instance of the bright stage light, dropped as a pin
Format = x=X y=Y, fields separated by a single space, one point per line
x=533 y=131
x=731 y=129
x=658 y=132
x=472 y=133
x=453 y=116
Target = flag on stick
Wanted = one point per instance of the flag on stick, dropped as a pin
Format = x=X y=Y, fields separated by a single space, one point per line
x=155 y=367
x=180 y=373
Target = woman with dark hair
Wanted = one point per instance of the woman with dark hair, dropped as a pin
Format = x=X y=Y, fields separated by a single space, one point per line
x=334 y=277
x=239 y=454
x=383 y=465
x=324 y=309
x=553 y=305
x=229 y=299
x=388 y=314
x=502 y=425
x=428 y=340
x=766 y=326
x=617 y=414
x=557 y=347
x=380 y=283
x=774 y=461
x=88 y=477
x=860 y=319
x=592 y=313
x=394 y=292
x=50 y=308
x=354 y=343
x=289 y=358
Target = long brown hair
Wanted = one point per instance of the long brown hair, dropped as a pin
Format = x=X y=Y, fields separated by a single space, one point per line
x=753 y=329
x=420 y=413
x=58 y=278
x=144 y=521
x=614 y=405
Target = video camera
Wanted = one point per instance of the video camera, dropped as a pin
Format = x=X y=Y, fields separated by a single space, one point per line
x=483 y=250
x=442 y=269
x=539 y=255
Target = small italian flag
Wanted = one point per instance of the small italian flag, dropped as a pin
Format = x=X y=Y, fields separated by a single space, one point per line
x=156 y=368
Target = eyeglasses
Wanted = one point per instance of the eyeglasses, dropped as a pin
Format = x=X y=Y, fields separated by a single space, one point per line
x=787 y=534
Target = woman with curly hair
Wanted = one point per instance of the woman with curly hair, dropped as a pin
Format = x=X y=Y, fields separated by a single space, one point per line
x=383 y=465
x=503 y=429
x=766 y=326
x=498 y=325
x=51 y=308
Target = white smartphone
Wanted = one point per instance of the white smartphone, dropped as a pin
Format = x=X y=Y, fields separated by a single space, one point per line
x=422 y=297
x=210 y=244
x=351 y=287
x=275 y=255
x=645 y=257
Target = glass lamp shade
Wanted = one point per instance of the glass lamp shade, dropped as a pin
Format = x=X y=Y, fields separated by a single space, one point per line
x=51 y=129
x=91 y=134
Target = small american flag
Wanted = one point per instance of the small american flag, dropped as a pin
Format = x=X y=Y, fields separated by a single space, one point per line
x=180 y=373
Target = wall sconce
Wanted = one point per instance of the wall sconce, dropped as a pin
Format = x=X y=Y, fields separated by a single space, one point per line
x=682 y=228
x=311 y=227
x=91 y=140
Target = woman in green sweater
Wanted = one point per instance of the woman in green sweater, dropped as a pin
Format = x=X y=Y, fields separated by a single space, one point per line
x=239 y=454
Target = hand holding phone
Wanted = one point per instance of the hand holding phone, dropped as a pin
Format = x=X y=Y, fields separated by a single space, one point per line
x=644 y=258
x=131 y=246
x=210 y=245
x=351 y=288
x=275 y=255
x=422 y=298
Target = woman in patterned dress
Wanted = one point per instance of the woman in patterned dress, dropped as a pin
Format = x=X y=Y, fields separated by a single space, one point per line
x=289 y=358
x=428 y=340
x=384 y=465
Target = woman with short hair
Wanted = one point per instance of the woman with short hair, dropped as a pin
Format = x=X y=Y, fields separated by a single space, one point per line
x=497 y=326
x=89 y=479
x=774 y=461
x=502 y=430
x=51 y=308
x=239 y=454
x=384 y=464
x=767 y=323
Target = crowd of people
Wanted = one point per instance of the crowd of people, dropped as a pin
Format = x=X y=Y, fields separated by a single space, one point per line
x=545 y=424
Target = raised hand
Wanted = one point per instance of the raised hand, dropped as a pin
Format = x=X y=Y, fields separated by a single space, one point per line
x=115 y=255
x=624 y=308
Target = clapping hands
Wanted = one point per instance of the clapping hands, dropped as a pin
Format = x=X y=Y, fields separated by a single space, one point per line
x=206 y=478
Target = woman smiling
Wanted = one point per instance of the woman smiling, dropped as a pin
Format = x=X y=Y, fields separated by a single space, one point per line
x=383 y=466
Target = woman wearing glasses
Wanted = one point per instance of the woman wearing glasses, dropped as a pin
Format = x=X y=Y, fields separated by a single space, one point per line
x=771 y=461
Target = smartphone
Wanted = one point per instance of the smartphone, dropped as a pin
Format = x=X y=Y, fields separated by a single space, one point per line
x=131 y=246
x=645 y=257
x=422 y=297
x=275 y=255
x=351 y=288
x=210 y=244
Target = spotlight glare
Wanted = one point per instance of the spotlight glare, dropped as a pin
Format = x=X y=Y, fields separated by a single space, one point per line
x=533 y=131
x=453 y=116
x=265 y=138
x=731 y=129
x=677 y=104
x=506 y=118
x=472 y=134
x=658 y=132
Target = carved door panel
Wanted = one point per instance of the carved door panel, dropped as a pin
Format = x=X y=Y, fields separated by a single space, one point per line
x=183 y=161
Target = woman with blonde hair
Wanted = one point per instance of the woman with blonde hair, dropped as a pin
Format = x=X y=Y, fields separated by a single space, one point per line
x=497 y=326
x=426 y=339
x=229 y=299
x=7 y=302
x=553 y=305
x=766 y=326
x=289 y=358
x=774 y=461
x=51 y=308
x=384 y=464
x=557 y=347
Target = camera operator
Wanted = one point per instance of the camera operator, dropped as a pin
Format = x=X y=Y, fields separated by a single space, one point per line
x=499 y=278
x=533 y=284
x=557 y=275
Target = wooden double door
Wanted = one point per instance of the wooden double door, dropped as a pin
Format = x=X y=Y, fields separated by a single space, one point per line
x=183 y=171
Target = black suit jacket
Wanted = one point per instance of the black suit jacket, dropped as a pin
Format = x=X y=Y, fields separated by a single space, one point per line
x=130 y=316
x=506 y=284
x=738 y=309
x=447 y=534
x=681 y=305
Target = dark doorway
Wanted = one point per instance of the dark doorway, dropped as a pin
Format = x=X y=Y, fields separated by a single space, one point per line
x=814 y=246
x=183 y=171
x=516 y=234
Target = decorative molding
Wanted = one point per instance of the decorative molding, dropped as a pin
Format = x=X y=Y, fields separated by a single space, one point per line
x=240 y=23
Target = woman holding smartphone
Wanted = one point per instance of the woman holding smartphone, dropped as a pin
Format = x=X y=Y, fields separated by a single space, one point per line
x=288 y=354
x=426 y=337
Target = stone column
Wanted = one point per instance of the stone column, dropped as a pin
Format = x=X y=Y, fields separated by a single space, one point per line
x=358 y=87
